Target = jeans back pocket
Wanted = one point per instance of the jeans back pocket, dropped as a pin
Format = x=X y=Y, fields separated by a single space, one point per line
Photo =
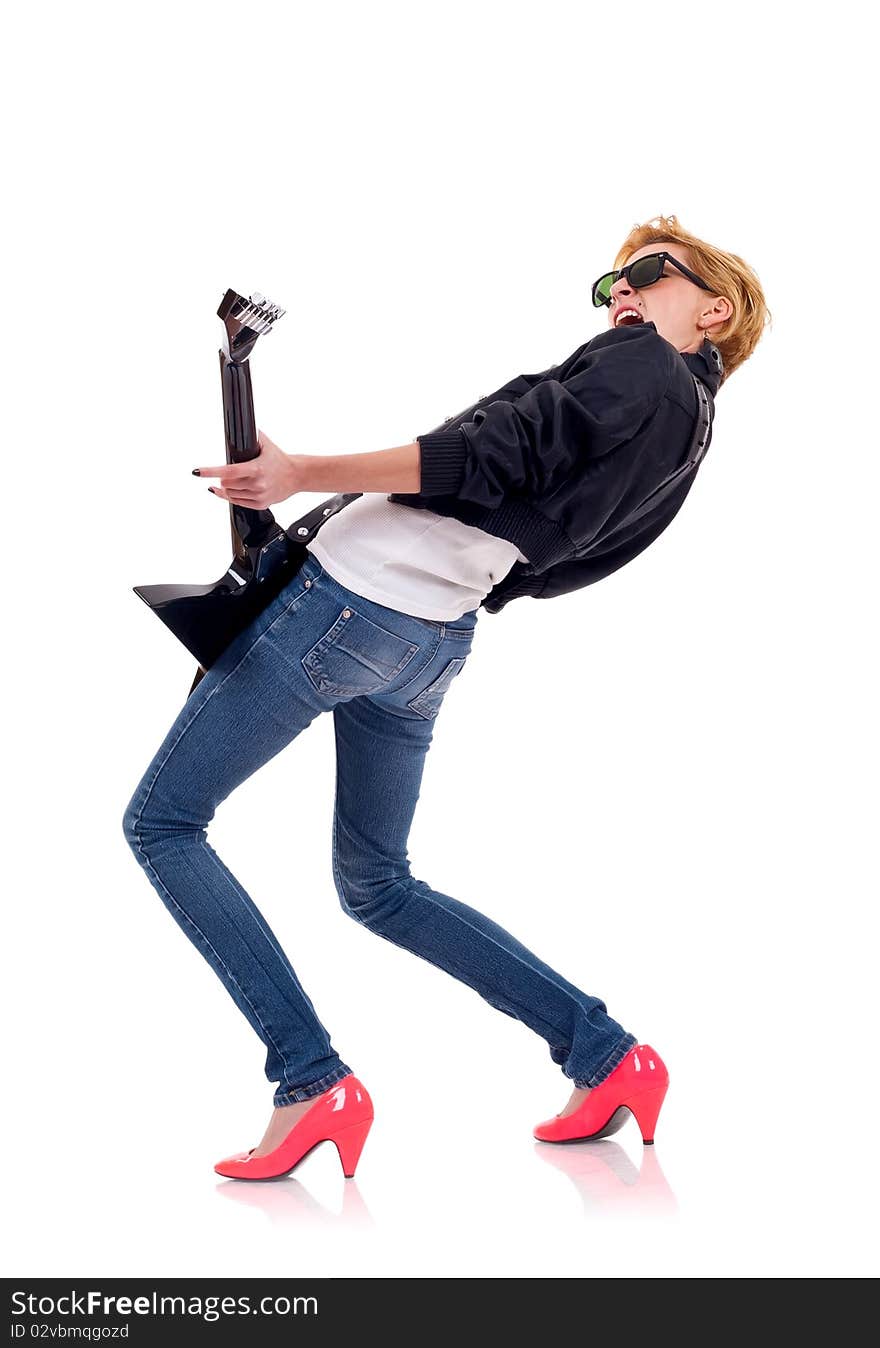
x=356 y=656
x=427 y=702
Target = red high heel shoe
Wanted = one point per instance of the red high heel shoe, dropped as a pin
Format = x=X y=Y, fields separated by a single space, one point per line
x=638 y=1084
x=343 y=1115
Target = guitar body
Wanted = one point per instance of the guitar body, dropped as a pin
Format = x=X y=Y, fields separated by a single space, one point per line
x=206 y=618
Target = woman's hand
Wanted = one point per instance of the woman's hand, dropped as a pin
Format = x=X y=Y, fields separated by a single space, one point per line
x=259 y=483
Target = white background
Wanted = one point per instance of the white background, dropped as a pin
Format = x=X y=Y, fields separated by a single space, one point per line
x=663 y=783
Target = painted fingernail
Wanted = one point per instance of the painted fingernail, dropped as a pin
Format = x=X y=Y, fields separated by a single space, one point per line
x=197 y=472
x=211 y=490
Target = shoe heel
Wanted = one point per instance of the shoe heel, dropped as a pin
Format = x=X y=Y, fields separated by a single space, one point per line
x=350 y=1143
x=646 y=1108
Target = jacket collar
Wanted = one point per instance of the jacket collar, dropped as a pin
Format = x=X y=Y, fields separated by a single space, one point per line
x=706 y=363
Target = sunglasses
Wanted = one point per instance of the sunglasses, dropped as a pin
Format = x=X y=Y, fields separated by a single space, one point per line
x=643 y=272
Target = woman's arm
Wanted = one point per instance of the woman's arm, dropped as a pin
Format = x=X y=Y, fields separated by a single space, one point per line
x=383 y=470
x=273 y=475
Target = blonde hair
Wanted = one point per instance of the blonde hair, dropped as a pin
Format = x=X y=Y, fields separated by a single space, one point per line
x=727 y=274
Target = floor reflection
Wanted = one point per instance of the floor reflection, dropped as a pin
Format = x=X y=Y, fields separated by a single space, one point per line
x=608 y=1181
x=287 y=1200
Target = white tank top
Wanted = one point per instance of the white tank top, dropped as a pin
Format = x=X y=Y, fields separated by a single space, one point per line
x=416 y=561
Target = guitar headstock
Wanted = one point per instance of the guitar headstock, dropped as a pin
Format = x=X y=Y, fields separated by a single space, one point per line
x=246 y=319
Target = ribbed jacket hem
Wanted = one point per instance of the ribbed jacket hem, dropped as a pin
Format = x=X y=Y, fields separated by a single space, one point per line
x=442 y=455
x=502 y=593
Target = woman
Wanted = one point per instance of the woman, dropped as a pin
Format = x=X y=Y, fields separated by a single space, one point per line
x=502 y=501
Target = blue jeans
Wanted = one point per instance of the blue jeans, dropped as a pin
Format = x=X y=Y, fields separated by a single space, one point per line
x=319 y=647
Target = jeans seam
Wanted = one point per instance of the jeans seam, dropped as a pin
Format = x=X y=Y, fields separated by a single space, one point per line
x=220 y=960
x=410 y=879
x=270 y=938
x=255 y=913
x=334 y=845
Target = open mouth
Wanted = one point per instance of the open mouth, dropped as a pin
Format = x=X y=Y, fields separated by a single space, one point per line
x=627 y=318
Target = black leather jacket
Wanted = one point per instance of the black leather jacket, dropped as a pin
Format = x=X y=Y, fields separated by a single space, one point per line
x=554 y=461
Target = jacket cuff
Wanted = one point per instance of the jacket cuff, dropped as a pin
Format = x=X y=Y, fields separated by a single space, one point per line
x=443 y=455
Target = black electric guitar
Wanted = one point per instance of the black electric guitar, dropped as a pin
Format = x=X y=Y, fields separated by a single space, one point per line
x=205 y=618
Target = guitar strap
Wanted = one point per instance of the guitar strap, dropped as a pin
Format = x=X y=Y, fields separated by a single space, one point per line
x=303 y=530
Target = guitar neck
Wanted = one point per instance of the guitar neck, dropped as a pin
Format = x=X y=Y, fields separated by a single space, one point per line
x=250 y=528
x=245 y=319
